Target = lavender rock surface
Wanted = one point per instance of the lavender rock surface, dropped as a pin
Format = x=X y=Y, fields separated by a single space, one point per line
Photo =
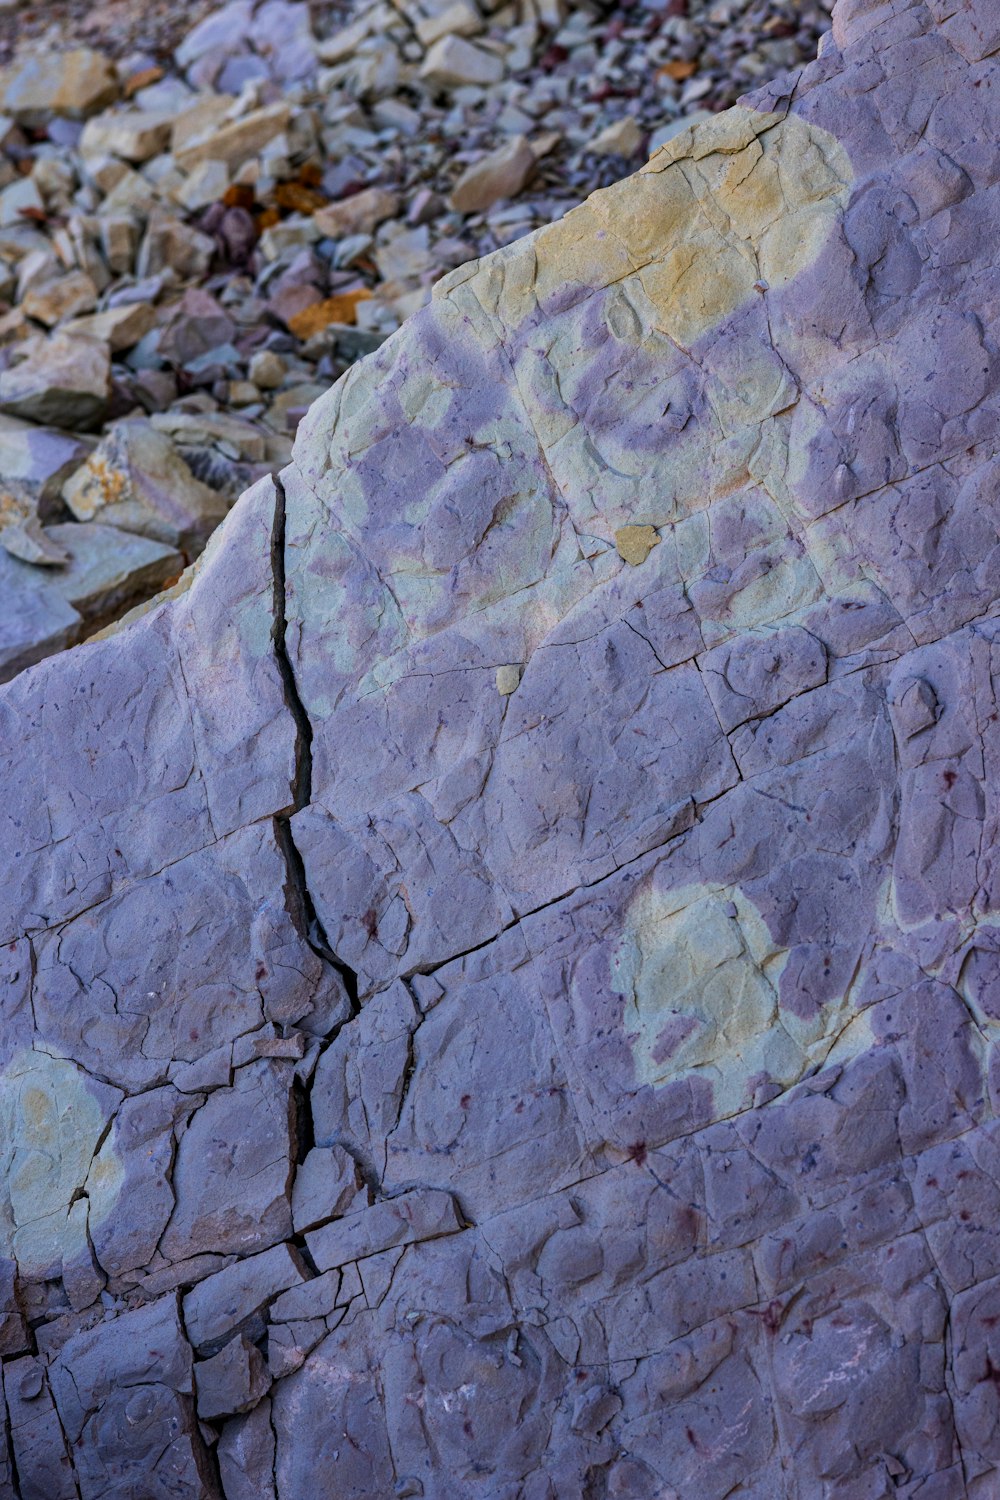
x=501 y=972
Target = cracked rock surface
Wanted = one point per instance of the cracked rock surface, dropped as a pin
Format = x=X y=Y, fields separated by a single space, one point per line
x=501 y=992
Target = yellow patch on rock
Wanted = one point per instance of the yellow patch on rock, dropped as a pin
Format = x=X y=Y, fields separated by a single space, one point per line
x=699 y=973
x=52 y=1119
x=743 y=200
x=635 y=543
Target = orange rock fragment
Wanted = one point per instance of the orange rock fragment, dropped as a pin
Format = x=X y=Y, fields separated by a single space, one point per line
x=339 y=309
x=142 y=80
x=678 y=70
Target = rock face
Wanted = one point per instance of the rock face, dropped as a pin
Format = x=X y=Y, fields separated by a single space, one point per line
x=500 y=972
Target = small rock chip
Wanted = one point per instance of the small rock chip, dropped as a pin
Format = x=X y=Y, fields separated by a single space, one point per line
x=508 y=680
x=62 y=380
x=453 y=62
x=170 y=242
x=622 y=138
x=267 y=370
x=500 y=174
x=635 y=543
x=134 y=136
x=237 y=140
x=75 y=83
x=326 y=1185
x=204 y=186
x=63 y=297
x=357 y=215
x=339 y=310
x=18 y=201
x=461 y=18
x=119 y=327
x=28 y=541
x=234 y=1380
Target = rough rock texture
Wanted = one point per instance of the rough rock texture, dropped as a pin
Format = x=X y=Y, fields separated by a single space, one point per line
x=608 y=931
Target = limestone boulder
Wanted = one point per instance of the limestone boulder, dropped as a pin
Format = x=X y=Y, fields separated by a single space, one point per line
x=502 y=967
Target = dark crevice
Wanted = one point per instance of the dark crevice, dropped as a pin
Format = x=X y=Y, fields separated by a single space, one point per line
x=304 y=1132
x=302 y=1249
x=298 y=899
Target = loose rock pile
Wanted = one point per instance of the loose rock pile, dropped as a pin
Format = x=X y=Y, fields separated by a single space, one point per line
x=193 y=248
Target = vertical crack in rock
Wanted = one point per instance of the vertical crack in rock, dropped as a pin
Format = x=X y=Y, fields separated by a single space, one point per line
x=297 y=895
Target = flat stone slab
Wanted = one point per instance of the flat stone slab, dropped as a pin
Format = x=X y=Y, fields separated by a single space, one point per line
x=500 y=972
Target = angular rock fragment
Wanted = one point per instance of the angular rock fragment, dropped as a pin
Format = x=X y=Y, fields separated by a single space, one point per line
x=74 y=83
x=39 y=459
x=118 y=327
x=500 y=174
x=27 y=540
x=135 y=136
x=59 y=380
x=136 y=480
x=51 y=302
x=326 y=1186
x=226 y=1301
x=235 y=141
x=35 y=622
x=453 y=62
x=419 y=1215
x=359 y=214
x=232 y=1381
x=108 y=569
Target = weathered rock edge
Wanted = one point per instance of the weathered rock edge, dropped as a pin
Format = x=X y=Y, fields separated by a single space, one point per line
x=495 y=1009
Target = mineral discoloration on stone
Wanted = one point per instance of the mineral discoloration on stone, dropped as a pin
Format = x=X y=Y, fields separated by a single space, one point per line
x=588 y=1089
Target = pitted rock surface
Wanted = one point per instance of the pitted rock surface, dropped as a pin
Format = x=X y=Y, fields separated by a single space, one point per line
x=493 y=1009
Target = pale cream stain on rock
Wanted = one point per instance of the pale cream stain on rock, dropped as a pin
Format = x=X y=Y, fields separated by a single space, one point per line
x=699 y=973
x=726 y=212
x=698 y=234
x=53 y=1118
x=744 y=198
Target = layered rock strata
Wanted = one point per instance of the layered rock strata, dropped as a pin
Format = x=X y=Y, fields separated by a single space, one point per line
x=501 y=970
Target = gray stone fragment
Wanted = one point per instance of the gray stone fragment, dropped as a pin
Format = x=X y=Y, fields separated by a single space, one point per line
x=246 y=1456
x=421 y=1214
x=35 y=621
x=233 y=1167
x=39 y=458
x=316 y=1298
x=326 y=1185
x=60 y=380
x=136 y=480
x=215 y=1308
x=109 y=569
x=232 y=1381
x=44 y=1469
x=27 y=541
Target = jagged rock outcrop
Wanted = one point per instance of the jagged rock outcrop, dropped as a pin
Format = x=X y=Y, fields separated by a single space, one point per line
x=500 y=973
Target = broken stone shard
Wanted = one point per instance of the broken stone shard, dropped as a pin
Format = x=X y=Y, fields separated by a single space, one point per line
x=135 y=480
x=500 y=971
x=60 y=380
